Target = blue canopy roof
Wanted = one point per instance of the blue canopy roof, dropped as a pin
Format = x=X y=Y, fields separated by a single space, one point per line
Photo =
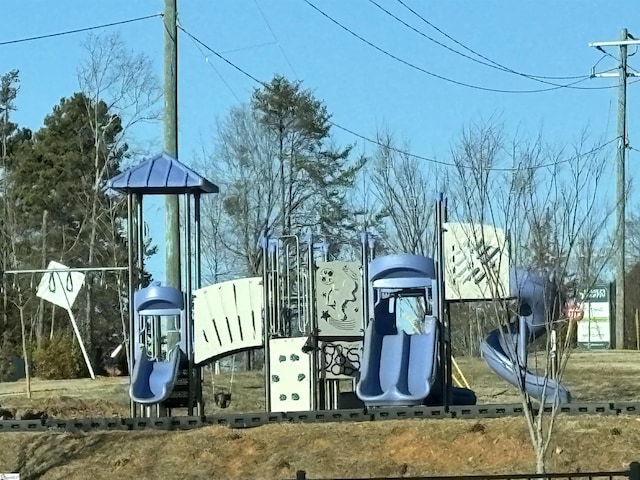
x=161 y=174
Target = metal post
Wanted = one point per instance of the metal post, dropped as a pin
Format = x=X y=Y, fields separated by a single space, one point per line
x=198 y=285
x=443 y=319
x=140 y=237
x=74 y=324
x=313 y=324
x=371 y=244
x=188 y=294
x=365 y=278
x=266 y=282
x=198 y=241
x=132 y=317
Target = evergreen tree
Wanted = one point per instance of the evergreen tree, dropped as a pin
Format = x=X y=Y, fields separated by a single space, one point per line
x=57 y=181
x=280 y=174
x=314 y=176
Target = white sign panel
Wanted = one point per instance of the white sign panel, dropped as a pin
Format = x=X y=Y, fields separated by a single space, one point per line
x=60 y=287
x=594 y=330
x=476 y=263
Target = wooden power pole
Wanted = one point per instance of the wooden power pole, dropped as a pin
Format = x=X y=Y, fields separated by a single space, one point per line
x=621 y=187
x=172 y=208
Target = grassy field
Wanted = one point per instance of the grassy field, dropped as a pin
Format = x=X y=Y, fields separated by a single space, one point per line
x=418 y=447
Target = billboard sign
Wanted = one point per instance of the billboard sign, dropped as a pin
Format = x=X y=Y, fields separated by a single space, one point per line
x=594 y=330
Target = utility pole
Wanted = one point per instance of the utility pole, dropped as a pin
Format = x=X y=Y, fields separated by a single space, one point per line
x=172 y=206
x=621 y=194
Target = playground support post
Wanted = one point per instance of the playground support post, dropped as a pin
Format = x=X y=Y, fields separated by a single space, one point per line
x=81 y=343
x=76 y=330
x=267 y=321
x=443 y=310
x=130 y=254
x=365 y=277
x=313 y=324
x=198 y=282
x=188 y=307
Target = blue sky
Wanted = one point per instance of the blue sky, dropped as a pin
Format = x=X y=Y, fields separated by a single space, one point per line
x=363 y=88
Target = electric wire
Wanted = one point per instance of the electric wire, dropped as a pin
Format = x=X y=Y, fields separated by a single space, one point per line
x=224 y=59
x=464 y=55
x=494 y=65
x=469 y=49
x=398 y=150
x=249 y=47
x=224 y=81
x=275 y=37
x=79 y=30
x=436 y=75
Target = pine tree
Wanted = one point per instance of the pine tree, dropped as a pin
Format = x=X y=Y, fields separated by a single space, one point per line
x=57 y=182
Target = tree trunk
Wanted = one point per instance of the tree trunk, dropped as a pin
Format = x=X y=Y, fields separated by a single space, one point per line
x=540 y=463
x=43 y=264
x=53 y=321
x=25 y=350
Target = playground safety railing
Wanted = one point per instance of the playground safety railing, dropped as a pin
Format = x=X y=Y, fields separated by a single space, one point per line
x=633 y=473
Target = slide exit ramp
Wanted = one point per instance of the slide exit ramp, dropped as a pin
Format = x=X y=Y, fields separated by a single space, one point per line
x=153 y=380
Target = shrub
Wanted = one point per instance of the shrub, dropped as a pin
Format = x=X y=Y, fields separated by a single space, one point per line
x=57 y=359
x=7 y=364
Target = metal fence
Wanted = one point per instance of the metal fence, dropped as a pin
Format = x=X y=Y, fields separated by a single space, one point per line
x=632 y=474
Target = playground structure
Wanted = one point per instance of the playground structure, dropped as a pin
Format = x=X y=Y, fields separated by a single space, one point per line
x=163 y=372
x=335 y=334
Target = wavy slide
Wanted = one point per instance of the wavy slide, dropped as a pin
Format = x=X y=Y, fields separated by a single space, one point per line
x=153 y=380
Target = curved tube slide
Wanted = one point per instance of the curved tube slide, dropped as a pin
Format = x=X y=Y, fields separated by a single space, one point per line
x=500 y=361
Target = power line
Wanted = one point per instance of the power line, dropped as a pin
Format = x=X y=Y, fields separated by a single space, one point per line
x=449 y=164
x=206 y=58
x=79 y=30
x=493 y=65
x=207 y=47
x=273 y=34
x=250 y=47
x=469 y=49
x=394 y=149
x=431 y=74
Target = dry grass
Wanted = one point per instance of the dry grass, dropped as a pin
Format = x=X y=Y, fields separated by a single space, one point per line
x=419 y=447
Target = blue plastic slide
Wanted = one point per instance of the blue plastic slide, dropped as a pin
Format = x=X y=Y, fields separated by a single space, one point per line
x=505 y=352
x=153 y=380
x=500 y=361
x=396 y=368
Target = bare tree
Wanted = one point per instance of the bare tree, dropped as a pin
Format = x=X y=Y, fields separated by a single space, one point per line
x=404 y=187
x=20 y=300
x=551 y=203
x=120 y=91
x=245 y=166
